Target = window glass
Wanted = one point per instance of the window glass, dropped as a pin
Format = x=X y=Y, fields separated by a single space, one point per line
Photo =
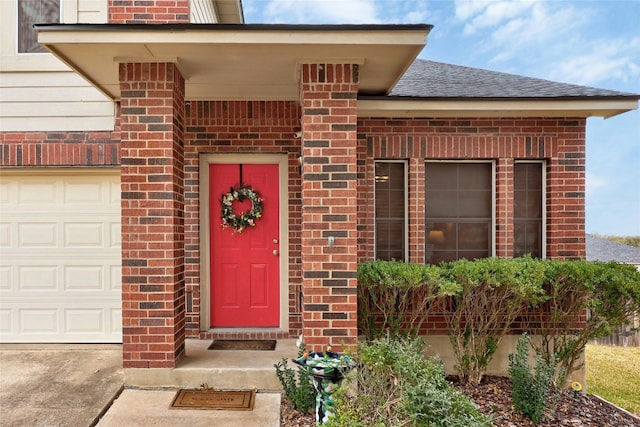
x=390 y=221
x=458 y=210
x=35 y=12
x=527 y=209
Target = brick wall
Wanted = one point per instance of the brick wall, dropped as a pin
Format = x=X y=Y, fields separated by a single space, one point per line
x=153 y=281
x=148 y=11
x=40 y=149
x=561 y=142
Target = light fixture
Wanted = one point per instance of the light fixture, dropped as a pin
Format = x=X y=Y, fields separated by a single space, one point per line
x=435 y=236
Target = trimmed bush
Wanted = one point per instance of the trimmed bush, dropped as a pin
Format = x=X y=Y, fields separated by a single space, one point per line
x=395 y=297
x=566 y=303
x=584 y=300
x=494 y=293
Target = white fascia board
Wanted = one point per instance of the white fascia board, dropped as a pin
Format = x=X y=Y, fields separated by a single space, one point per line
x=502 y=108
x=257 y=36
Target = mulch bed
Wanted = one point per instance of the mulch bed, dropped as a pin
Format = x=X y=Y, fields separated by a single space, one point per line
x=493 y=396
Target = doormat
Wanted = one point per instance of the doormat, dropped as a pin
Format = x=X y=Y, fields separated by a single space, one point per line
x=229 y=400
x=263 y=345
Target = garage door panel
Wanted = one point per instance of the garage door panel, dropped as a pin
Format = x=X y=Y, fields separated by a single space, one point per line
x=37 y=234
x=84 y=277
x=84 y=235
x=38 y=321
x=115 y=278
x=37 y=191
x=83 y=321
x=5 y=235
x=61 y=321
x=60 y=257
x=6 y=274
x=32 y=278
x=85 y=193
x=6 y=322
x=115 y=234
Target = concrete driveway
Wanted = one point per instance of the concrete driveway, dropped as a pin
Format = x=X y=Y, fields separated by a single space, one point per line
x=57 y=384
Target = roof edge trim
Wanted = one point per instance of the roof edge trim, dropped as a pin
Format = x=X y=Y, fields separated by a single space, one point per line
x=234 y=27
x=380 y=107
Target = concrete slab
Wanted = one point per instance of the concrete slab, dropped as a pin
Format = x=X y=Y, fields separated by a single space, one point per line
x=75 y=384
x=220 y=369
x=56 y=384
x=141 y=408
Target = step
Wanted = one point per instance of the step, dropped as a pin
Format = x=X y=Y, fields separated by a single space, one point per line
x=218 y=369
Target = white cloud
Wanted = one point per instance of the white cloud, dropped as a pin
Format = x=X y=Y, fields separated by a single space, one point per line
x=339 y=11
x=489 y=14
x=605 y=59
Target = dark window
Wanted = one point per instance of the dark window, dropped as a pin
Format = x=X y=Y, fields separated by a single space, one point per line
x=35 y=12
x=390 y=218
x=458 y=202
x=527 y=209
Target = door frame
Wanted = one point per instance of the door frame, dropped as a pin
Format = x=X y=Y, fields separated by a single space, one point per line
x=282 y=160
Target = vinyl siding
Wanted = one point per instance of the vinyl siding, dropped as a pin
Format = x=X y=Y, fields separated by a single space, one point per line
x=203 y=12
x=38 y=92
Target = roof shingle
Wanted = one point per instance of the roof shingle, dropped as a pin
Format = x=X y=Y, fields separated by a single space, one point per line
x=429 y=79
x=599 y=249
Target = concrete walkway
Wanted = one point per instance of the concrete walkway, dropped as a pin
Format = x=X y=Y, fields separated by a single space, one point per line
x=141 y=408
x=81 y=385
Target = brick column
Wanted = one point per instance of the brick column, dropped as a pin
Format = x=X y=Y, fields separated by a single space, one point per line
x=152 y=171
x=328 y=96
x=504 y=208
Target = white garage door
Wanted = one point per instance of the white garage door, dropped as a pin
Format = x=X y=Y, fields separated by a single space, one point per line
x=60 y=274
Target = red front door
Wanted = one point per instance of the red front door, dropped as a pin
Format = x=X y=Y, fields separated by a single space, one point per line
x=245 y=266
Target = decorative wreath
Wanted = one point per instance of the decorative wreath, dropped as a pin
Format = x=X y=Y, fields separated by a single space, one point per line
x=248 y=217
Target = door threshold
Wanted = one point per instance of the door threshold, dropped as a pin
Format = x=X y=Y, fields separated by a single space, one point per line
x=246 y=333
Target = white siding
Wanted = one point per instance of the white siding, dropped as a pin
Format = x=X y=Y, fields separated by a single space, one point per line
x=203 y=12
x=40 y=93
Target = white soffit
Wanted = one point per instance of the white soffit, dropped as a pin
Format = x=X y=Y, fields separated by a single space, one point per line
x=237 y=61
x=494 y=108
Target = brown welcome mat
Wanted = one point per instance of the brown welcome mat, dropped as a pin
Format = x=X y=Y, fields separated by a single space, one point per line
x=229 y=400
x=243 y=345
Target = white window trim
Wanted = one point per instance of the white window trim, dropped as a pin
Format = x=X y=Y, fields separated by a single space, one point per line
x=13 y=61
x=493 y=193
x=544 y=202
x=406 y=206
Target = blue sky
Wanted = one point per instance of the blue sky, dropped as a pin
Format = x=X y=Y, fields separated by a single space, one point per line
x=587 y=42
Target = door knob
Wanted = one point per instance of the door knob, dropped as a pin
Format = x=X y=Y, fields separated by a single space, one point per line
x=276 y=252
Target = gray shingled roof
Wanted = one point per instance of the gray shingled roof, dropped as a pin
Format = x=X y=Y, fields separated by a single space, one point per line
x=429 y=79
x=599 y=249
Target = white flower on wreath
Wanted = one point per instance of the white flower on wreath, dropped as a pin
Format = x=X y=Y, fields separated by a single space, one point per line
x=247 y=218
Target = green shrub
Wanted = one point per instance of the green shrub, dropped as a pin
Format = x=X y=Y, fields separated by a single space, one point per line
x=298 y=388
x=494 y=293
x=395 y=297
x=530 y=390
x=608 y=294
x=396 y=385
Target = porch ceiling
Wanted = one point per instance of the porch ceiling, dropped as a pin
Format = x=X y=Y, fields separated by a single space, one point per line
x=227 y=61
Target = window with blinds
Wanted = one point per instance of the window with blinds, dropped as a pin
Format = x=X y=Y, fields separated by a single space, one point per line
x=459 y=211
x=528 y=209
x=390 y=210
